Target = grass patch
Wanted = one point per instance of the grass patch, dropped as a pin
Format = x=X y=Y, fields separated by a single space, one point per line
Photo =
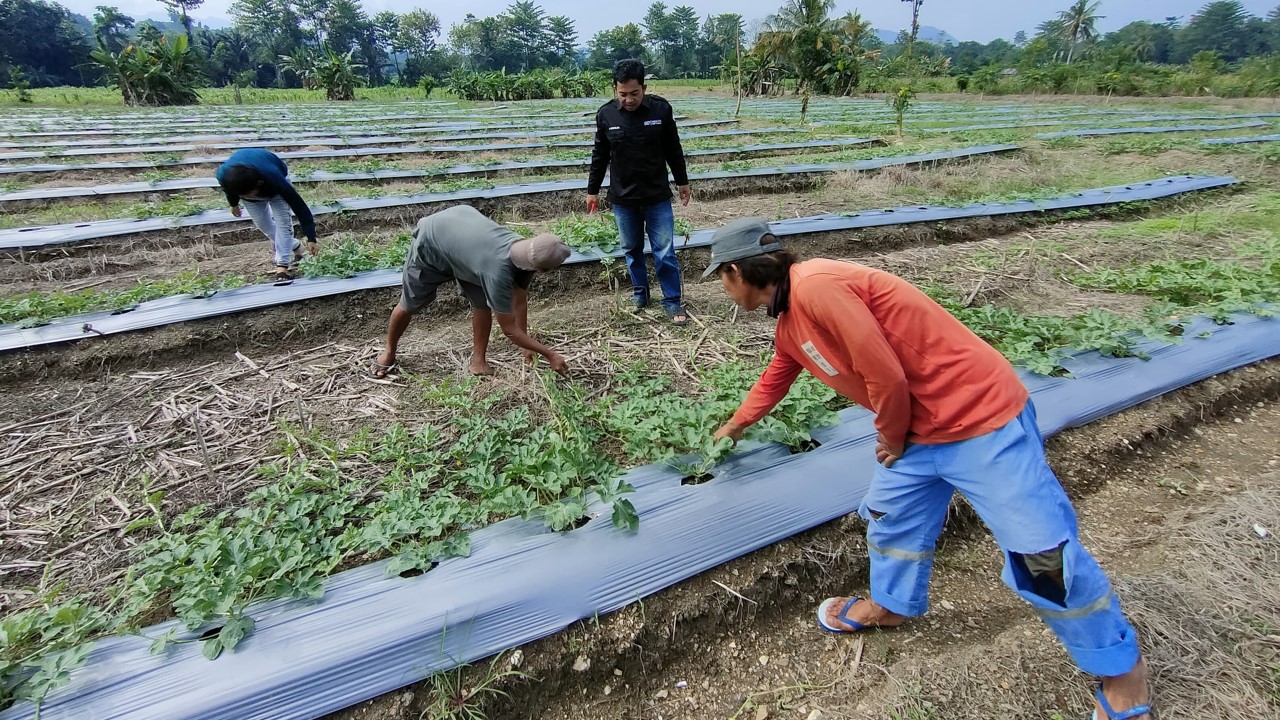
x=176 y=206
x=154 y=177
x=349 y=257
x=599 y=232
x=1251 y=213
x=456 y=184
x=32 y=309
x=368 y=165
x=1178 y=289
x=1217 y=288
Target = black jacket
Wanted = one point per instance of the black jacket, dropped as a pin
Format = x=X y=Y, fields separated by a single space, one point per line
x=637 y=147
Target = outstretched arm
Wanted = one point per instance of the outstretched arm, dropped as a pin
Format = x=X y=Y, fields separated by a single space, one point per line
x=768 y=391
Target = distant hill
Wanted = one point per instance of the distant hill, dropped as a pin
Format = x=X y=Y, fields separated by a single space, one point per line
x=928 y=33
x=168 y=24
x=213 y=22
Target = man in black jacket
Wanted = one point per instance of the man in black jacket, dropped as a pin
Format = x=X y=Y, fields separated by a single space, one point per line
x=636 y=139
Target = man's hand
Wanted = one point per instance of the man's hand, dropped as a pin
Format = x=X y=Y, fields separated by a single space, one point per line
x=685 y=194
x=557 y=362
x=313 y=248
x=593 y=201
x=887 y=454
x=730 y=430
x=236 y=211
x=528 y=356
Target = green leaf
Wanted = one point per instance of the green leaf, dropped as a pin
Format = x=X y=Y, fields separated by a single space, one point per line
x=161 y=643
x=212 y=648
x=624 y=515
x=139 y=524
x=236 y=629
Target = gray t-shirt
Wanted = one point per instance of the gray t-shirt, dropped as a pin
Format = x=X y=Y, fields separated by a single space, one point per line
x=472 y=248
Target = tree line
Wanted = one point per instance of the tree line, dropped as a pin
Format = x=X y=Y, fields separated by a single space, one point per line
x=802 y=47
x=1222 y=50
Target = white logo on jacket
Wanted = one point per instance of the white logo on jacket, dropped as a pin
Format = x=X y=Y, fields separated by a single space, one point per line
x=653 y=122
x=812 y=351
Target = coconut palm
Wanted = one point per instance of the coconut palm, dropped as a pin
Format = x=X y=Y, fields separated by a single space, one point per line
x=803 y=31
x=1080 y=24
x=843 y=74
x=1144 y=43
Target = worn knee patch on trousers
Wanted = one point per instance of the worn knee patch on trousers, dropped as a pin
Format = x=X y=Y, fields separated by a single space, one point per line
x=1047 y=561
x=1045 y=570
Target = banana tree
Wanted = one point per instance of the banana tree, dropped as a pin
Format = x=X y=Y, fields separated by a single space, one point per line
x=152 y=72
x=339 y=75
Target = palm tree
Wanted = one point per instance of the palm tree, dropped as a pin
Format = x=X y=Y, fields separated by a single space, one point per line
x=1080 y=24
x=803 y=30
x=855 y=28
x=1144 y=44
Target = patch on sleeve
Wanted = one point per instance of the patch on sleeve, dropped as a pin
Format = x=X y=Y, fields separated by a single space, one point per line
x=812 y=351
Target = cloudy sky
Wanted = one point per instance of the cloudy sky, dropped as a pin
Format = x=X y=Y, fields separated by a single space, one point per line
x=982 y=20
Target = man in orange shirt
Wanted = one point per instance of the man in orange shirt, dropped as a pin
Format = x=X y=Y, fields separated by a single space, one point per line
x=951 y=414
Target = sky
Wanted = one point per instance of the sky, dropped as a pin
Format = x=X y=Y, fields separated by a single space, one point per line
x=981 y=20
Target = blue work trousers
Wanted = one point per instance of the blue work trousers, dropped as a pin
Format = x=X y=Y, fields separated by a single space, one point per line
x=1006 y=479
x=658 y=222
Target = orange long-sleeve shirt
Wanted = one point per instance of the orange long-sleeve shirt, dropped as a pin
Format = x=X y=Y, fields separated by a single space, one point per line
x=884 y=344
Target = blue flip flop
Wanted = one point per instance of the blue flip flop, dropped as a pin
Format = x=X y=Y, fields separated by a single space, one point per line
x=1133 y=712
x=843 y=616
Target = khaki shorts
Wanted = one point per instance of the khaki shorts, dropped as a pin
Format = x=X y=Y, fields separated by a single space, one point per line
x=420 y=282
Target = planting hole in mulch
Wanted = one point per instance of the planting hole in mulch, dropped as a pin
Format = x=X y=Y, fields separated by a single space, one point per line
x=696 y=479
x=804 y=447
x=576 y=524
x=415 y=572
x=211 y=633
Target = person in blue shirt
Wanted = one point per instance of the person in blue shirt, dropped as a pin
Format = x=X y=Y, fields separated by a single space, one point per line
x=260 y=178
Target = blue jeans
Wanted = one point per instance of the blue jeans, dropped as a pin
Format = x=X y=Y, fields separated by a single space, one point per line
x=274 y=218
x=660 y=222
x=1005 y=478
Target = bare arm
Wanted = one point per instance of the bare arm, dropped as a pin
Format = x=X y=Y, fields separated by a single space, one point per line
x=520 y=337
x=768 y=391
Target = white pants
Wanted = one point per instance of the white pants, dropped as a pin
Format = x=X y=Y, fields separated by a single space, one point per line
x=273 y=217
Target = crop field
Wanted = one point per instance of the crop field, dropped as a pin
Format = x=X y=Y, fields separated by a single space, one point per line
x=186 y=482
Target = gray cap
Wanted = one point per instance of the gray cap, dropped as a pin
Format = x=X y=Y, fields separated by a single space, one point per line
x=540 y=252
x=739 y=240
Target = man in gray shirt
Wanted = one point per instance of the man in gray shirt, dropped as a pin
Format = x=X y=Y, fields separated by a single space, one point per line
x=492 y=266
